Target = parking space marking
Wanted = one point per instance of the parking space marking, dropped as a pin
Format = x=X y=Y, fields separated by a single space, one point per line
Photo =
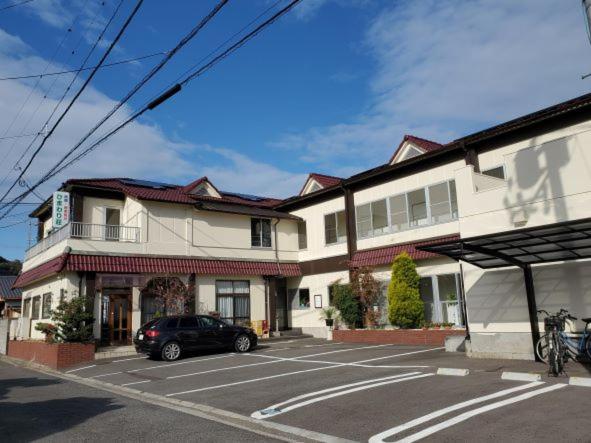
x=129 y=359
x=163 y=366
x=401 y=355
x=342 y=390
x=224 y=369
x=79 y=369
x=379 y=438
x=302 y=360
x=135 y=383
x=275 y=350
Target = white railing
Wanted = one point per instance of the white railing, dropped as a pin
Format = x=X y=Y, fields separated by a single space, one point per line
x=86 y=231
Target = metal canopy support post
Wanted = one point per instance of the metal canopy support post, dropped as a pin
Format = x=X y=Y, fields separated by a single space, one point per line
x=532 y=307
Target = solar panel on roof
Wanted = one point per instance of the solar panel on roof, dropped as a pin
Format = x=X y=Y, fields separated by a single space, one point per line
x=147 y=184
x=253 y=198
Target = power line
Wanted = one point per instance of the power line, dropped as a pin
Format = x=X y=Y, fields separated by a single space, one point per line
x=56 y=169
x=14 y=5
x=106 y=65
x=169 y=54
x=84 y=85
x=14 y=224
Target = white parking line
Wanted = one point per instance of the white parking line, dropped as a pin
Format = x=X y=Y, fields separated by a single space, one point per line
x=400 y=355
x=135 y=383
x=79 y=369
x=224 y=369
x=275 y=350
x=302 y=360
x=411 y=424
x=128 y=359
x=186 y=362
x=354 y=387
x=467 y=415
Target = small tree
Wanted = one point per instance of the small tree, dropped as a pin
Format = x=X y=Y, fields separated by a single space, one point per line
x=347 y=303
x=368 y=291
x=173 y=296
x=74 y=323
x=406 y=309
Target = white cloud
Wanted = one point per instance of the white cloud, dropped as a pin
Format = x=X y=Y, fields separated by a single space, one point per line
x=141 y=150
x=449 y=67
x=308 y=9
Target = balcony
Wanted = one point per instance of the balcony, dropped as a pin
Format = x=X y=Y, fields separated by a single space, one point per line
x=85 y=231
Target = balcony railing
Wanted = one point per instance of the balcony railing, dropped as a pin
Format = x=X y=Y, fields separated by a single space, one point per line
x=87 y=231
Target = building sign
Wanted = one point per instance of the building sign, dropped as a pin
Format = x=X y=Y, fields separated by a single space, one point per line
x=61 y=209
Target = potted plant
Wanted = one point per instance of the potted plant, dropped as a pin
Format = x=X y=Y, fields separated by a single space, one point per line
x=447 y=325
x=329 y=315
x=48 y=330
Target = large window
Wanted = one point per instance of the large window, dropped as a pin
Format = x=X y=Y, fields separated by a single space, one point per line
x=260 y=231
x=35 y=314
x=46 y=311
x=299 y=298
x=302 y=235
x=426 y=206
x=372 y=218
x=233 y=301
x=335 y=228
x=440 y=295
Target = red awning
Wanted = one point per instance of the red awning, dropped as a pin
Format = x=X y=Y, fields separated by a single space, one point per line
x=385 y=255
x=155 y=265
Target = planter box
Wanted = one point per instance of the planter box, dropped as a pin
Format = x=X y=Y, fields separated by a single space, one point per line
x=54 y=355
x=431 y=337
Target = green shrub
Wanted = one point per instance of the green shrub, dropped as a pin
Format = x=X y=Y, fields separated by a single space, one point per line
x=406 y=309
x=347 y=304
x=74 y=323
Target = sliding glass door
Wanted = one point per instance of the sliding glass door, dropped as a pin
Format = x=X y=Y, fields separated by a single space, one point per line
x=440 y=293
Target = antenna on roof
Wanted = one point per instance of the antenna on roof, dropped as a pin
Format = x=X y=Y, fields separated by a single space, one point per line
x=587 y=15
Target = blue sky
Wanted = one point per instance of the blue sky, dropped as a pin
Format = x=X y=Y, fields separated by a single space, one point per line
x=331 y=88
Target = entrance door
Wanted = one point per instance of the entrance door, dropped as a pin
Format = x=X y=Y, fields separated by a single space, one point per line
x=281 y=314
x=119 y=320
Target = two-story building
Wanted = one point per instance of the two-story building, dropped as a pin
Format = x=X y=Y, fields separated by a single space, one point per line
x=498 y=223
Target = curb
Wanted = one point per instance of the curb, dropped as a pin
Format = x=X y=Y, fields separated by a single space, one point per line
x=456 y=372
x=521 y=376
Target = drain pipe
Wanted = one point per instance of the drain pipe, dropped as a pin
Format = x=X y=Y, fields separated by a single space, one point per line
x=278 y=271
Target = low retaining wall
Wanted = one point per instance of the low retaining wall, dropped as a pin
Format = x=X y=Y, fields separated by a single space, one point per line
x=432 y=337
x=54 y=355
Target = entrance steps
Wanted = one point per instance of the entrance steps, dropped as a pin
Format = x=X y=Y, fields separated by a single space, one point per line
x=114 y=352
x=292 y=334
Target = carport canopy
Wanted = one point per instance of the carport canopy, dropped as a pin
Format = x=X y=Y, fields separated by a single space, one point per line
x=569 y=240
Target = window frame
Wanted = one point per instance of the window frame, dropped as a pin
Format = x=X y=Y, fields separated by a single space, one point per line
x=340 y=240
x=500 y=166
x=33 y=299
x=454 y=214
x=43 y=305
x=303 y=235
x=234 y=295
x=261 y=246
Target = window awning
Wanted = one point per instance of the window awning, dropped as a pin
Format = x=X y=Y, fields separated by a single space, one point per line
x=562 y=241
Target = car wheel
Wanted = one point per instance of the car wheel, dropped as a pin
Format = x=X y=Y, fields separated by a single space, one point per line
x=171 y=351
x=242 y=343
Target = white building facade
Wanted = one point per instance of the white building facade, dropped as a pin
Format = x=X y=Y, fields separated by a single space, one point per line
x=252 y=259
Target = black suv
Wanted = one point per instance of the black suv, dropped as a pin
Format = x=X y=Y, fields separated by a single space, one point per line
x=168 y=337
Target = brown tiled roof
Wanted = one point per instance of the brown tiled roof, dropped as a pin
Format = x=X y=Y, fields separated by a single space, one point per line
x=385 y=255
x=169 y=193
x=326 y=181
x=7 y=292
x=160 y=265
x=423 y=143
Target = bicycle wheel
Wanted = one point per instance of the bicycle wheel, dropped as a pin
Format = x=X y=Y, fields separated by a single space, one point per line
x=542 y=348
x=555 y=357
x=588 y=347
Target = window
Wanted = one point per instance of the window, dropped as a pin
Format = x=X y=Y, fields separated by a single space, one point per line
x=36 y=308
x=398 y=213
x=260 y=232
x=171 y=323
x=46 y=309
x=453 y=197
x=372 y=218
x=209 y=322
x=335 y=228
x=233 y=301
x=27 y=308
x=189 y=322
x=440 y=295
x=363 y=215
x=112 y=222
x=417 y=208
x=439 y=203
x=497 y=172
x=302 y=235
x=304 y=298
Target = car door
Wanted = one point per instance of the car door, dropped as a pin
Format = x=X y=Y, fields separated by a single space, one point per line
x=211 y=331
x=189 y=332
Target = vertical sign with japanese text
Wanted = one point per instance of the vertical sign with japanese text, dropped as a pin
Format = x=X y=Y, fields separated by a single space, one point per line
x=61 y=209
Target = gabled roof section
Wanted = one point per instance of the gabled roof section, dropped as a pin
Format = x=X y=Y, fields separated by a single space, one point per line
x=202 y=186
x=316 y=182
x=412 y=146
x=6 y=290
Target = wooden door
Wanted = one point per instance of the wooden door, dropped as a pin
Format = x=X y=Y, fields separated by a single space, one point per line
x=119 y=320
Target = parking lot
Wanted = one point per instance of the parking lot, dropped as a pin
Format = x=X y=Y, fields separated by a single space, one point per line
x=365 y=392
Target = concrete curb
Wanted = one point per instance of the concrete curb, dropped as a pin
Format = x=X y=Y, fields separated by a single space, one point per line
x=268 y=429
x=456 y=372
x=580 y=381
x=521 y=376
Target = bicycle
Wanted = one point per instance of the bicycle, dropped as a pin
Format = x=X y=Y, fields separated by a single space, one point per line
x=555 y=347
